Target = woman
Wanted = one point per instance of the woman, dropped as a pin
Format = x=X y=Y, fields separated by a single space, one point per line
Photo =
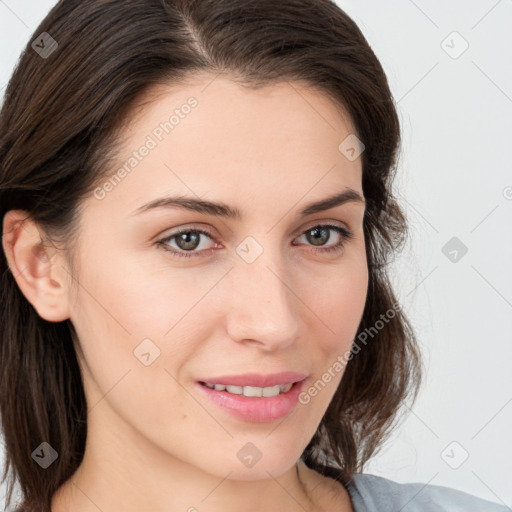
x=197 y=217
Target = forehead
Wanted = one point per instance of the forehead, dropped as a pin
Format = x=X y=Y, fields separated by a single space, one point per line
x=219 y=92
x=234 y=115
x=209 y=133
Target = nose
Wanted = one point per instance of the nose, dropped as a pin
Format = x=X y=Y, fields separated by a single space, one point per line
x=264 y=308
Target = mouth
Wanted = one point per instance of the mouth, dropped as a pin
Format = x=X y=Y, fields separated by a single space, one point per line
x=276 y=395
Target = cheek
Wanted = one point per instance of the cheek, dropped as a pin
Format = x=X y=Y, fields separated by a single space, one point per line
x=338 y=308
x=338 y=305
x=133 y=353
x=148 y=321
x=136 y=299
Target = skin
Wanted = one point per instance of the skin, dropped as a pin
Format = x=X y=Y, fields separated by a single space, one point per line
x=154 y=442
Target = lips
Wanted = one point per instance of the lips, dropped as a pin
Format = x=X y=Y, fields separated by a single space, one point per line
x=254 y=408
x=255 y=379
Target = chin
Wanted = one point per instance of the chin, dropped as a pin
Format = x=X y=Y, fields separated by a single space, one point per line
x=253 y=461
x=262 y=470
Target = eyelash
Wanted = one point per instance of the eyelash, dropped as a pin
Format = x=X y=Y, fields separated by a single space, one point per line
x=346 y=235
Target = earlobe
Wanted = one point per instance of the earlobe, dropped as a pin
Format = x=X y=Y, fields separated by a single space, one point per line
x=34 y=266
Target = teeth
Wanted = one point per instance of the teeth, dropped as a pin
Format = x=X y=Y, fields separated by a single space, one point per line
x=252 y=390
x=271 y=391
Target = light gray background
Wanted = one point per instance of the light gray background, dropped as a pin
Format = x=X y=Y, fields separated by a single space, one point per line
x=454 y=180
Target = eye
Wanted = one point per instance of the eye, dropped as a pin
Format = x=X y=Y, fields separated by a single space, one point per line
x=320 y=234
x=187 y=240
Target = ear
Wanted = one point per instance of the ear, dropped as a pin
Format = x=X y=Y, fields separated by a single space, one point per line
x=43 y=282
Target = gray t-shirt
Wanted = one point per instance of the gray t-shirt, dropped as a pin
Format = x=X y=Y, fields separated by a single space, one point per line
x=371 y=493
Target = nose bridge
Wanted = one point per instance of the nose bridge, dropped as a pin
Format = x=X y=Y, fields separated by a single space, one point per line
x=263 y=307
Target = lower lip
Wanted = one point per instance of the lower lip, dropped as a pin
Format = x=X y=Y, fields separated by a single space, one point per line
x=255 y=409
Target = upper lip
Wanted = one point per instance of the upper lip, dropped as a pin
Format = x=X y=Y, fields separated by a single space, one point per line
x=256 y=379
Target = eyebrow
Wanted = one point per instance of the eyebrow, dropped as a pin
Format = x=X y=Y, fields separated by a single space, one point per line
x=220 y=209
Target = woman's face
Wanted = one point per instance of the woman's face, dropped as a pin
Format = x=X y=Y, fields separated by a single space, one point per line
x=257 y=294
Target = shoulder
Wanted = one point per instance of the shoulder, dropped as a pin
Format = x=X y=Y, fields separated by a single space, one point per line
x=371 y=493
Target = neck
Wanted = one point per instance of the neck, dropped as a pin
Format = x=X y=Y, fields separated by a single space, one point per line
x=112 y=478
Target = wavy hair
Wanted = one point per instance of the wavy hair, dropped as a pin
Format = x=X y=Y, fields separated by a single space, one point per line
x=60 y=124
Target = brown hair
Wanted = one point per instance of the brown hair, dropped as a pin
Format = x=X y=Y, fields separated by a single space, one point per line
x=58 y=131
